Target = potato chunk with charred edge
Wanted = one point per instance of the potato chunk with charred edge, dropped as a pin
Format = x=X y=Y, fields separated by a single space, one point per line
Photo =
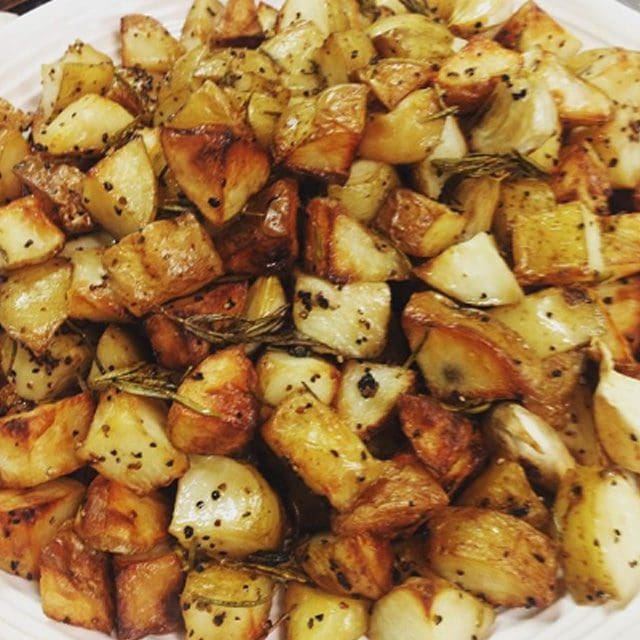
x=224 y=383
x=115 y=519
x=30 y=518
x=75 y=584
x=168 y=258
x=238 y=25
x=40 y=445
x=446 y=442
x=492 y=554
x=145 y=43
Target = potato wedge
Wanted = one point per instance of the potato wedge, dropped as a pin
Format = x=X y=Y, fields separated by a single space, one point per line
x=328 y=15
x=145 y=43
x=342 y=53
x=200 y=23
x=13 y=149
x=239 y=25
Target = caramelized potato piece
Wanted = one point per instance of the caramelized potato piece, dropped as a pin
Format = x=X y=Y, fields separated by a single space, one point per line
x=115 y=519
x=30 y=519
x=622 y=302
x=619 y=240
x=200 y=23
x=166 y=259
x=328 y=16
x=239 y=25
x=13 y=149
x=41 y=444
x=75 y=585
x=145 y=43
x=342 y=53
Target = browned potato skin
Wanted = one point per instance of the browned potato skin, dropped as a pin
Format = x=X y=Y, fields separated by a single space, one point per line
x=166 y=259
x=396 y=503
x=356 y=565
x=30 y=518
x=176 y=348
x=239 y=25
x=113 y=518
x=147 y=589
x=75 y=584
x=259 y=245
x=446 y=442
x=502 y=558
x=232 y=397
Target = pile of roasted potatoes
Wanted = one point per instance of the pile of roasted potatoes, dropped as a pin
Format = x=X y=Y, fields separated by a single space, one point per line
x=336 y=305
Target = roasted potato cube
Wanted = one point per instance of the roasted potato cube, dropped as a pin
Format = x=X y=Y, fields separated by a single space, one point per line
x=320 y=447
x=75 y=585
x=145 y=43
x=621 y=299
x=351 y=318
x=226 y=507
x=174 y=346
x=13 y=149
x=329 y=16
x=368 y=394
x=367 y=188
x=342 y=53
x=430 y=607
x=268 y=18
x=504 y=487
x=447 y=443
x=395 y=504
x=418 y=225
x=264 y=296
x=267 y=240
x=470 y=17
x=342 y=249
x=127 y=443
x=115 y=519
x=40 y=445
x=147 y=590
x=200 y=23
x=531 y=26
x=30 y=519
x=317 y=615
x=263 y=113
x=14 y=118
x=218 y=170
x=166 y=259
x=281 y=374
x=239 y=25
x=118 y=348
x=490 y=553
x=221 y=602
x=619 y=236
x=223 y=384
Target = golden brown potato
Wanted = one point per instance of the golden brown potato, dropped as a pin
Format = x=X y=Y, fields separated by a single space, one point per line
x=238 y=25
x=177 y=348
x=263 y=113
x=446 y=442
x=266 y=241
x=168 y=258
x=145 y=43
x=127 y=442
x=75 y=584
x=118 y=348
x=469 y=17
x=490 y=553
x=619 y=240
x=30 y=518
x=13 y=149
x=200 y=23
x=356 y=565
x=12 y=117
x=147 y=592
x=418 y=225
x=429 y=607
x=115 y=519
x=217 y=170
x=328 y=15
x=342 y=53
x=224 y=383
x=40 y=445
x=225 y=507
x=343 y=249
x=621 y=299
x=137 y=91
x=321 y=448
x=395 y=503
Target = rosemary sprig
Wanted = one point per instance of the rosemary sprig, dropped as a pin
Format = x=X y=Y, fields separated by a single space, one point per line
x=284 y=572
x=202 y=601
x=481 y=165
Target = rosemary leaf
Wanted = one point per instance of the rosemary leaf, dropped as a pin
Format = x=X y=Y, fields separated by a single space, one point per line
x=232 y=604
x=286 y=572
x=480 y=165
x=449 y=111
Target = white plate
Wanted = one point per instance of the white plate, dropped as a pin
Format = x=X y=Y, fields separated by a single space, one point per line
x=42 y=36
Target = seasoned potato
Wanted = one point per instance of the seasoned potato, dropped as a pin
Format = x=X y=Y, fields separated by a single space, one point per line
x=221 y=602
x=430 y=607
x=351 y=318
x=317 y=615
x=13 y=149
x=619 y=244
x=446 y=442
x=145 y=43
x=224 y=383
x=321 y=449
x=621 y=299
x=75 y=585
x=342 y=53
x=30 y=518
x=239 y=25
x=490 y=553
x=40 y=445
x=226 y=507
x=268 y=18
x=595 y=513
x=328 y=15
x=478 y=198
x=118 y=348
x=469 y=17
x=418 y=225
x=218 y=170
x=357 y=565
x=147 y=591
x=396 y=503
x=342 y=249
x=166 y=259
x=264 y=296
x=281 y=374
x=200 y=23
x=263 y=113
x=127 y=443
x=368 y=394
x=115 y=519
x=33 y=302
